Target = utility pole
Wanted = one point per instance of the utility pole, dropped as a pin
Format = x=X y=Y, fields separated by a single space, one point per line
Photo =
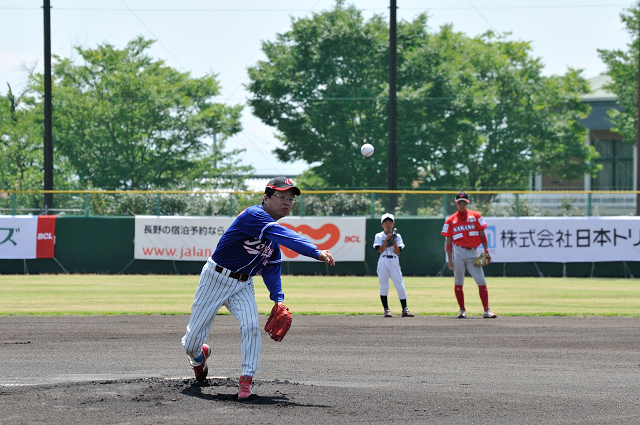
x=48 y=136
x=392 y=200
x=215 y=151
x=638 y=137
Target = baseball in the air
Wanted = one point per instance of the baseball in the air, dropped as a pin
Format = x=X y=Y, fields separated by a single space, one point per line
x=367 y=150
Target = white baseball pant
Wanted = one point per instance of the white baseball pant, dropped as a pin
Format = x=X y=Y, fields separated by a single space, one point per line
x=389 y=268
x=463 y=258
x=215 y=290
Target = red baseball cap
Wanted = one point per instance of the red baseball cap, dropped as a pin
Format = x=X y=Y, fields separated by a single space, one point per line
x=282 y=183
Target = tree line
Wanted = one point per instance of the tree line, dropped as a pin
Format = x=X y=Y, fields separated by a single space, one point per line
x=473 y=112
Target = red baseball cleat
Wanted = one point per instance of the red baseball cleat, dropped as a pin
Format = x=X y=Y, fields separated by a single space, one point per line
x=244 y=389
x=202 y=369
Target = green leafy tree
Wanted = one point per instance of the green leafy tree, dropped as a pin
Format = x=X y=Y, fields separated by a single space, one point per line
x=320 y=87
x=477 y=112
x=472 y=112
x=127 y=121
x=21 y=143
x=21 y=152
x=622 y=67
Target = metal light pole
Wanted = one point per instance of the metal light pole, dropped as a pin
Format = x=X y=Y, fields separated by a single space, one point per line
x=215 y=151
x=392 y=200
x=638 y=137
x=48 y=136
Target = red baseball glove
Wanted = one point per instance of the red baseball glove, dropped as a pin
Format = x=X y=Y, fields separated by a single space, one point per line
x=279 y=322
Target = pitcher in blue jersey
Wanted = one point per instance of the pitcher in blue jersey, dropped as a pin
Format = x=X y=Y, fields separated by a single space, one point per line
x=250 y=246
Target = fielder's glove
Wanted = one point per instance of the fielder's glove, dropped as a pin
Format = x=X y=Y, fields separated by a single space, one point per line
x=392 y=239
x=279 y=322
x=482 y=260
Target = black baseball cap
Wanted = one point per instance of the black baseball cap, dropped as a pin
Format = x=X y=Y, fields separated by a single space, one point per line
x=281 y=184
x=462 y=197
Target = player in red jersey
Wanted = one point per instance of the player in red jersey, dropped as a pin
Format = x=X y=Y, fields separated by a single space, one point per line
x=464 y=232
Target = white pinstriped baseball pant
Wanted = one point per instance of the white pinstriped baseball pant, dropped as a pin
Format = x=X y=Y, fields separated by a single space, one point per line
x=215 y=290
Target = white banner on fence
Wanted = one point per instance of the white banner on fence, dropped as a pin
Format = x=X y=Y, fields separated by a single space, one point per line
x=27 y=237
x=345 y=237
x=195 y=238
x=178 y=238
x=563 y=240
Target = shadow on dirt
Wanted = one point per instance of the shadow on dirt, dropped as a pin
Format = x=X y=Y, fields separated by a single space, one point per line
x=196 y=390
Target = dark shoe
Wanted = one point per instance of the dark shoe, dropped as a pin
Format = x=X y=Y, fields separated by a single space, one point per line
x=407 y=313
x=387 y=313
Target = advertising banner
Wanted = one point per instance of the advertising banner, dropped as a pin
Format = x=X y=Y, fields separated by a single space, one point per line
x=195 y=238
x=563 y=239
x=178 y=238
x=27 y=237
x=345 y=237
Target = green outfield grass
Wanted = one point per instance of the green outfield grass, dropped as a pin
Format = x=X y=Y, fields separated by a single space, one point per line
x=144 y=294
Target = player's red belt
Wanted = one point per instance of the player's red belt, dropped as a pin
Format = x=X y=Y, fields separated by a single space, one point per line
x=465 y=247
x=239 y=276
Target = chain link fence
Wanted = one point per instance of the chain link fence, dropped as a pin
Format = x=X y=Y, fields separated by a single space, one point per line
x=321 y=203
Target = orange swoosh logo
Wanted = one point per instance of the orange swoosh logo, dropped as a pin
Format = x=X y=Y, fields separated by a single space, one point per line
x=316 y=234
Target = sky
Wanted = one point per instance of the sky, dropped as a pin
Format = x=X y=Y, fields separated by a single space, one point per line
x=224 y=38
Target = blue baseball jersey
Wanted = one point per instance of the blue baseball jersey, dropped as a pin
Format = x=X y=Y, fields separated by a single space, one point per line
x=251 y=245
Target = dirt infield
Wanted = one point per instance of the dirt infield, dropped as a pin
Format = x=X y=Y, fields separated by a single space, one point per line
x=329 y=369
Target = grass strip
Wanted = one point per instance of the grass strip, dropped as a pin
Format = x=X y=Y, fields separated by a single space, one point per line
x=162 y=294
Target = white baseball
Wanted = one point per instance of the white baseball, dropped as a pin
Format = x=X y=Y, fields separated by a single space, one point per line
x=367 y=150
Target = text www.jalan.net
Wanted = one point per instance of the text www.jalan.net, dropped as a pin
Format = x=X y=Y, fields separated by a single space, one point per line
x=183 y=252
x=159 y=251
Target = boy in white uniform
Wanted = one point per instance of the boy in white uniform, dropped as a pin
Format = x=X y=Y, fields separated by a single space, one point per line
x=389 y=246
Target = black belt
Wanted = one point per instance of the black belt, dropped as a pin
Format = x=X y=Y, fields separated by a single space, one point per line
x=239 y=276
x=464 y=247
x=390 y=256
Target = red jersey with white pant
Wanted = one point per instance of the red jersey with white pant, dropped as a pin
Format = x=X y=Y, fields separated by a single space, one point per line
x=464 y=230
